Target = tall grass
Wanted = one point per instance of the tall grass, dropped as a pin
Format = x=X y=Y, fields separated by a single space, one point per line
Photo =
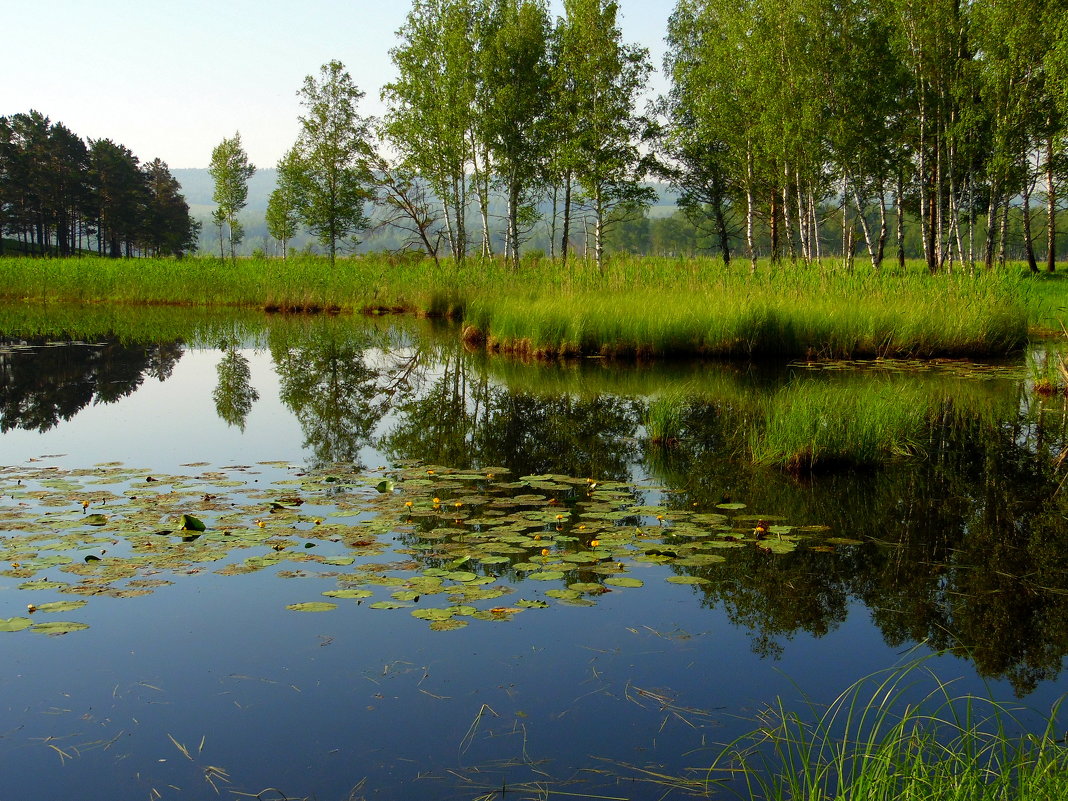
x=637 y=307
x=811 y=426
x=878 y=742
x=790 y=314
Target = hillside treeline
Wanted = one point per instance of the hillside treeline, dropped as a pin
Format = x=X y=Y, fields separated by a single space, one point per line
x=62 y=195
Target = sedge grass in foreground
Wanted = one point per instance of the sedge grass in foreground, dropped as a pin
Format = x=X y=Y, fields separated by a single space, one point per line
x=637 y=308
x=886 y=739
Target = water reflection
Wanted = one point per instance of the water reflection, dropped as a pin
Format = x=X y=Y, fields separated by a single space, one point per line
x=963 y=547
x=332 y=390
x=43 y=383
x=234 y=394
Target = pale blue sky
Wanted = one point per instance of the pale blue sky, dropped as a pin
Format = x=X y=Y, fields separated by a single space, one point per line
x=171 y=79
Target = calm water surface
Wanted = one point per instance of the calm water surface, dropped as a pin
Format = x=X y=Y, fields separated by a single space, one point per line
x=209 y=680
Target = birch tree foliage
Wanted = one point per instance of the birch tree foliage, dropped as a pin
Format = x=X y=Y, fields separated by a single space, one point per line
x=283 y=213
x=698 y=157
x=231 y=169
x=514 y=72
x=430 y=115
x=333 y=149
x=608 y=77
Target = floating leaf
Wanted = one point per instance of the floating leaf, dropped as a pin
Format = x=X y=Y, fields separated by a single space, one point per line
x=386 y=485
x=777 y=546
x=357 y=594
x=96 y=520
x=15 y=623
x=688 y=580
x=58 y=627
x=190 y=523
x=447 y=625
x=61 y=606
x=624 y=581
x=546 y=575
x=312 y=606
x=461 y=575
x=432 y=614
x=42 y=584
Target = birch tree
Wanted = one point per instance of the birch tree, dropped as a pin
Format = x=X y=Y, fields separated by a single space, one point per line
x=334 y=153
x=608 y=77
x=430 y=105
x=231 y=169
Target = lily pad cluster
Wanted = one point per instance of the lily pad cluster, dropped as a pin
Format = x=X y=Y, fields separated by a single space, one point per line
x=449 y=546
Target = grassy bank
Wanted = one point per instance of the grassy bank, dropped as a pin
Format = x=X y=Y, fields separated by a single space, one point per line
x=878 y=742
x=638 y=308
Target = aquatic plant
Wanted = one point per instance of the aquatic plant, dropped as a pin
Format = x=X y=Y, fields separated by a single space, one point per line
x=664 y=414
x=816 y=425
x=880 y=739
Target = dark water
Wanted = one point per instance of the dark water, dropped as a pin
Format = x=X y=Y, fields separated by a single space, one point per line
x=958 y=549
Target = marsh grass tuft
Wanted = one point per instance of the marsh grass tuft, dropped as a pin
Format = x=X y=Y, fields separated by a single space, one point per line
x=664 y=416
x=885 y=739
x=809 y=426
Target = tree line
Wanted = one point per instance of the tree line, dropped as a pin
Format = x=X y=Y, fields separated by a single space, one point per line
x=946 y=114
x=492 y=97
x=792 y=128
x=61 y=195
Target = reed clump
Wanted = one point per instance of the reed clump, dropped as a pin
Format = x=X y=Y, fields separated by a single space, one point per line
x=811 y=426
x=883 y=739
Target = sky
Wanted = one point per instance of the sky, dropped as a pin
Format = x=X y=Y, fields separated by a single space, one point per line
x=172 y=79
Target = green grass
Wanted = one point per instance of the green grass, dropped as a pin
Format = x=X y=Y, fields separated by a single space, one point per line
x=794 y=314
x=665 y=414
x=810 y=426
x=878 y=741
x=640 y=307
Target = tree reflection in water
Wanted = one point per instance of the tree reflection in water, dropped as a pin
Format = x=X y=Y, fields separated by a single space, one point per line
x=42 y=383
x=964 y=546
x=234 y=393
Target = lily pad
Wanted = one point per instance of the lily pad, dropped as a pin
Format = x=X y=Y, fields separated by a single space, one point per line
x=432 y=614
x=190 y=523
x=15 y=623
x=61 y=606
x=58 y=627
x=357 y=594
x=312 y=606
x=546 y=575
x=525 y=604
x=624 y=581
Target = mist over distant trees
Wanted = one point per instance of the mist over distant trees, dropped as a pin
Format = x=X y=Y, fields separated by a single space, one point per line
x=61 y=195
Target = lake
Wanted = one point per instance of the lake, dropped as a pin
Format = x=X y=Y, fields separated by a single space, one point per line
x=343 y=558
